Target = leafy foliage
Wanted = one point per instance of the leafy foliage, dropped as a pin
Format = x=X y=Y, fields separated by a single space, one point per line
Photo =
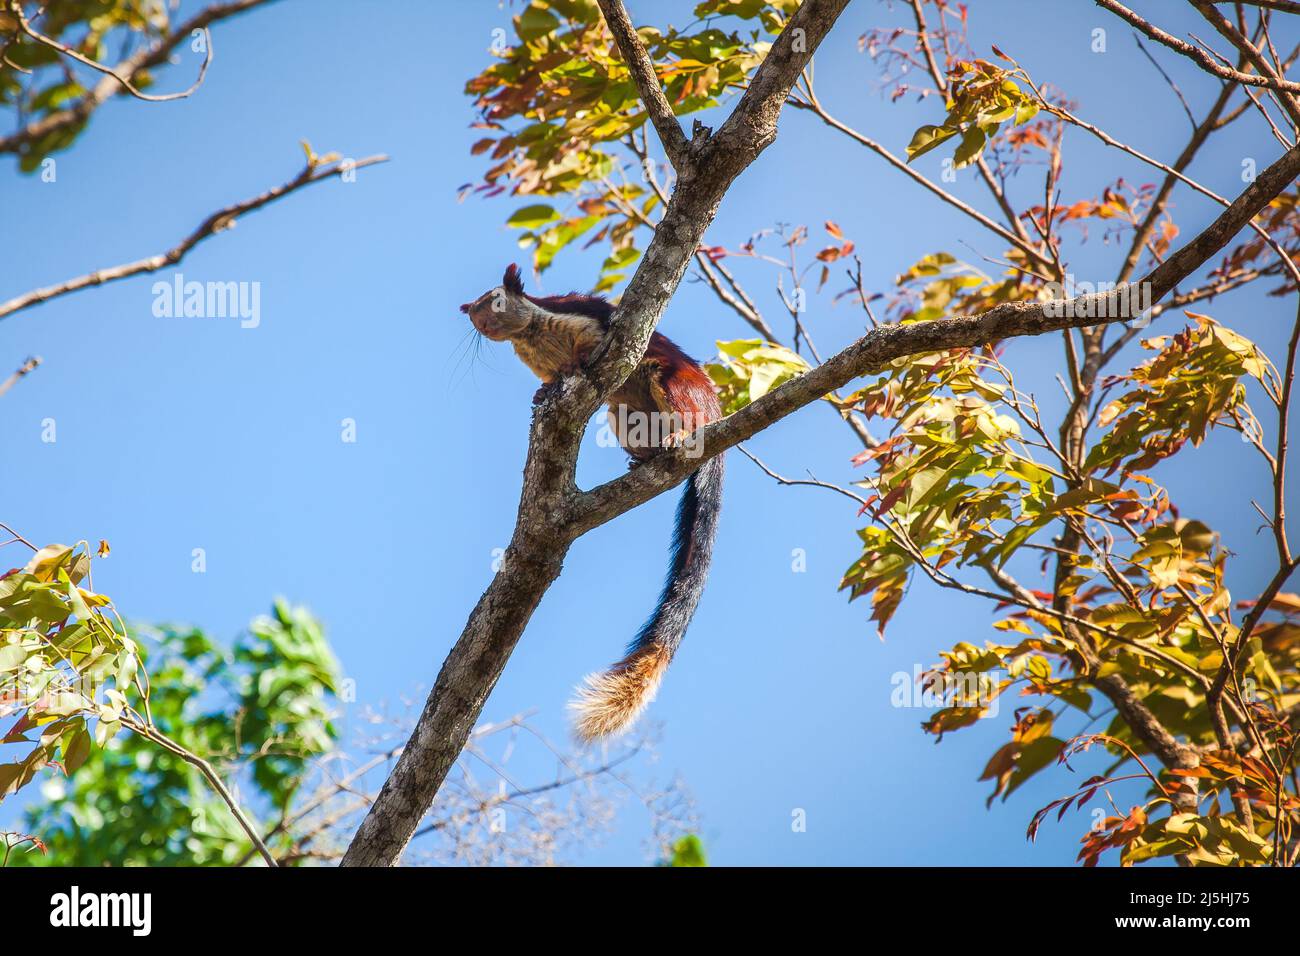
x=981 y=97
x=35 y=79
x=67 y=665
x=263 y=704
x=687 y=851
x=969 y=477
x=559 y=103
x=750 y=368
x=1193 y=383
x=73 y=674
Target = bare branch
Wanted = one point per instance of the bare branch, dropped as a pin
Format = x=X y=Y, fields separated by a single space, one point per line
x=1167 y=78
x=23 y=370
x=1006 y=235
x=1284 y=6
x=1283 y=257
x=742 y=309
x=152 y=733
x=219 y=221
x=1200 y=133
x=1252 y=56
x=1195 y=53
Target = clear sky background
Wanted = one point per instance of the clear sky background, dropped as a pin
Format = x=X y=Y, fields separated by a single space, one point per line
x=175 y=434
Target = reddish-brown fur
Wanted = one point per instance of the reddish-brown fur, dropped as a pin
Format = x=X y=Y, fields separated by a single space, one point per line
x=553 y=336
x=688 y=387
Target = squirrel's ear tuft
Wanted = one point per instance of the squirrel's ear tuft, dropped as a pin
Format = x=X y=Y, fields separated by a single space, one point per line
x=512 y=282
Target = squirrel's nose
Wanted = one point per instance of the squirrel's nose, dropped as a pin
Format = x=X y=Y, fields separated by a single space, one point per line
x=465 y=308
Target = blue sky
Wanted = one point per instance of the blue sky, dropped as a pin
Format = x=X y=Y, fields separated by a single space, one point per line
x=175 y=434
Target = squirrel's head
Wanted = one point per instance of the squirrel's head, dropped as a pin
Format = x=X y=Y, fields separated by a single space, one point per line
x=503 y=312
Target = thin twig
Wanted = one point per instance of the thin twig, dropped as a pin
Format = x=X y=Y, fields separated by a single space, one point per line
x=17 y=11
x=23 y=370
x=217 y=222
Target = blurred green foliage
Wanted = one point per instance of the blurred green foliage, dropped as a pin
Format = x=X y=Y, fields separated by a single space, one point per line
x=37 y=81
x=261 y=708
x=687 y=851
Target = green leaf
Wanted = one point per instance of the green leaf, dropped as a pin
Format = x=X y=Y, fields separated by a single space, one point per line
x=11 y=657
x=688 y=851
x=972 y=144
x=77 y=748
x=927 y=138
x=534 y=22
x=530 y=217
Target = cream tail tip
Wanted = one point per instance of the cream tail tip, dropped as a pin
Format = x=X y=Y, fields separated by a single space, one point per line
x=608 y=704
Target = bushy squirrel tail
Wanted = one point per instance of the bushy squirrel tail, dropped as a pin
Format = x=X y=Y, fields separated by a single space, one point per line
x=609 y=703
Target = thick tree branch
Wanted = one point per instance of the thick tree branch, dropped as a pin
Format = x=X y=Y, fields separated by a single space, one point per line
x=219 y=221
x=1270 y=184
x=883 y=345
